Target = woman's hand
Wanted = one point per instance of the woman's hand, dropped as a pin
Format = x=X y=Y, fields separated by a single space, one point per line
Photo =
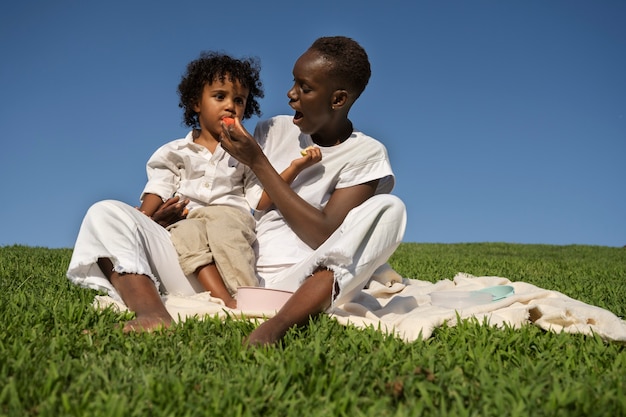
x=171 y=211
x=239 y=143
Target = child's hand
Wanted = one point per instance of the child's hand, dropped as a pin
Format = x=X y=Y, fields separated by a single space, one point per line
x=171 y=211
x=305 y=151
x=310 y=156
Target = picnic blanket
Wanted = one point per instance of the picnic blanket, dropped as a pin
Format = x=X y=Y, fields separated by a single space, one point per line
x=403 y=307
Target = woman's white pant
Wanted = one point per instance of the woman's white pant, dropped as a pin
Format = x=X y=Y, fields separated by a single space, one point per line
x=136 y=244
x=368 y=236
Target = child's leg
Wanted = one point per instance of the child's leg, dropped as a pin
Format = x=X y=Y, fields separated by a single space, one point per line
x=189 y=238
x=230 y=235
x=195 y=239
x=212 y=281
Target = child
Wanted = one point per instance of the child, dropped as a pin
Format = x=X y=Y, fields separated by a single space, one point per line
x=335 y=225
x=215 y=242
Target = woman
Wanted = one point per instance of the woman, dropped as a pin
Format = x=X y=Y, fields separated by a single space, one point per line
x=325 y=235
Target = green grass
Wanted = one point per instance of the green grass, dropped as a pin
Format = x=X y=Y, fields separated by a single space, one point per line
x=50 y=367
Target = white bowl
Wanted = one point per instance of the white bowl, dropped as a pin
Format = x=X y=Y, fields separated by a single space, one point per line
x=459 y=299
x=261 y=299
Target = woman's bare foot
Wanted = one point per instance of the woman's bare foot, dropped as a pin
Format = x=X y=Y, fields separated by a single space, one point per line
x=267 y=334
x=147 y=324
x=312 y=298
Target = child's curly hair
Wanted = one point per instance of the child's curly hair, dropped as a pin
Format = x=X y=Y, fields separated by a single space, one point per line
x=215 y=65
x=349 y=61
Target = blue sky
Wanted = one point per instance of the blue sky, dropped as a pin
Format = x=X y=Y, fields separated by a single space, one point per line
x=505 y=121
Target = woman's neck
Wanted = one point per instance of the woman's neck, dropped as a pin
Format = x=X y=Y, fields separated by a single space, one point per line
x=335 y=136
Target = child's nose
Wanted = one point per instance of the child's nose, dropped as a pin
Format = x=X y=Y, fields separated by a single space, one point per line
x=230 y=105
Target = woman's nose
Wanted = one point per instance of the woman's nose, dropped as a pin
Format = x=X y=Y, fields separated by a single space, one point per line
x=291 y=94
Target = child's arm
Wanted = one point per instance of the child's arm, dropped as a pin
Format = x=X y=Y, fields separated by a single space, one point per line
x=150 y=204
x=310 y=156
x=164 y=213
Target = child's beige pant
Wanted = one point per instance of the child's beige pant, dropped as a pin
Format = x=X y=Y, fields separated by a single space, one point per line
x=222 y=235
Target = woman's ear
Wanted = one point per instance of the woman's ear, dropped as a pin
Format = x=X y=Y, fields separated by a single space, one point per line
x=340 y=98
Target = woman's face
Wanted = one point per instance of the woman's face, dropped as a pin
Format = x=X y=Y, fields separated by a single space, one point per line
x=311 y=94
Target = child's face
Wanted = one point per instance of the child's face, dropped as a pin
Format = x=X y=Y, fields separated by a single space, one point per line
x=220 y=99
x=311 y=94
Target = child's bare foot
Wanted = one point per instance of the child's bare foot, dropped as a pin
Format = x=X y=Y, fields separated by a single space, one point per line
x=147 y=324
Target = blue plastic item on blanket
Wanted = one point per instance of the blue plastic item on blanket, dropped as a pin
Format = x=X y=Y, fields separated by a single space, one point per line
x=498 y=292
x=464 y=299
x=459 y=299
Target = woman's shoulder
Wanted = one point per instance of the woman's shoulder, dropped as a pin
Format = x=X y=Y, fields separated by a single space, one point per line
x=365 y=144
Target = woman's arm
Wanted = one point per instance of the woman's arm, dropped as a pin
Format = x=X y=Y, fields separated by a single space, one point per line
x=311 y=225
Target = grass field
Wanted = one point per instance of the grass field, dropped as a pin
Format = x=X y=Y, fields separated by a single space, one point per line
x=50 y=366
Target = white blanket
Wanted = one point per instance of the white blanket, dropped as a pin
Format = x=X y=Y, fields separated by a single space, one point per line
x=402 y=306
